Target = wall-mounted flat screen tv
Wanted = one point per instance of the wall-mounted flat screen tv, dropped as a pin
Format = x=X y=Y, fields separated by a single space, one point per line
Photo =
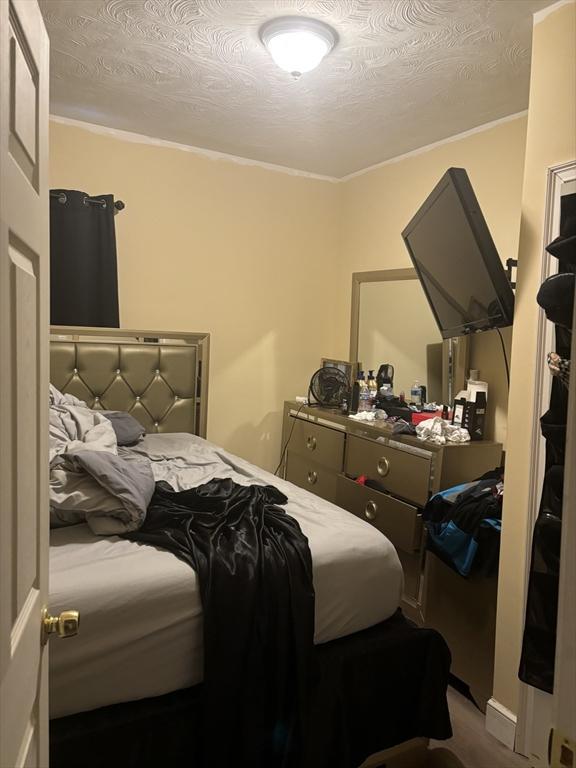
x=456 y=260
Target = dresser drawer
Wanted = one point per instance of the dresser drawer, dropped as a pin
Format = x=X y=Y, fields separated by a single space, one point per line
x=314 y=477
x=400 y=472
x=319 y=444
x=399 y=521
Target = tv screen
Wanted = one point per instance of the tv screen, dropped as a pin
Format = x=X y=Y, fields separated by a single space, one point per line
x=456 y=260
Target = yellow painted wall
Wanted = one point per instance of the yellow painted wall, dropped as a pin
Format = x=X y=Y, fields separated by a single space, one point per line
x=551 y=140
x=236 y=250
x=378 y=204
x=263 y=260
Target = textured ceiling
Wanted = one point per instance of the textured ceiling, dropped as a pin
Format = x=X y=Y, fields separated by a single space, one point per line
x=405 y=73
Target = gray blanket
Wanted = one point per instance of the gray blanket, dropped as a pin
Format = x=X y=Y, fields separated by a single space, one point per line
x=89 y=481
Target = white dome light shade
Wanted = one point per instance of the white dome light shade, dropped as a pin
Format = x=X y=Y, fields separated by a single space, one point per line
x=297 y=44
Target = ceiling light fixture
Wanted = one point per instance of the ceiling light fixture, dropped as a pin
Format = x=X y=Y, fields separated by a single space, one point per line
x=296 y=43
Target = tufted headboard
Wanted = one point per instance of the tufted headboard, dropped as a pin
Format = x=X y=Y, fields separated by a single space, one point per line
x=160 y=378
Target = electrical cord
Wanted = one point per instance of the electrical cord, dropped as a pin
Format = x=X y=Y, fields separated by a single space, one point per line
x=289 y=437
x=505 y=357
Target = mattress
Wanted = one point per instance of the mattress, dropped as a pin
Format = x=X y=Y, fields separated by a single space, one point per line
x=140 y=610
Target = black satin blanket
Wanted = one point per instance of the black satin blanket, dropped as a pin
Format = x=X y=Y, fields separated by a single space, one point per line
x=255 y=576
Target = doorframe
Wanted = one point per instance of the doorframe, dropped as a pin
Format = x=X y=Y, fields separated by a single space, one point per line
x=532 y=702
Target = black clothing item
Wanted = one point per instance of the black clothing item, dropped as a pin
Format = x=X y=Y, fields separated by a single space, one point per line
x=370 y=691
x=556 y=297
x=553 y=428
x=83 y=270
x=255 y=575
x=465 y=533
x=539 y=641
x=564 y=246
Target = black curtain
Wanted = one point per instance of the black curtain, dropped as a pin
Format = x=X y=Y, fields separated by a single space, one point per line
x=83 y=270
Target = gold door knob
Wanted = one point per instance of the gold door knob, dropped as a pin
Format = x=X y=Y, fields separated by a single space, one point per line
x=64 y=625
x=311 y=443
x=312 y=477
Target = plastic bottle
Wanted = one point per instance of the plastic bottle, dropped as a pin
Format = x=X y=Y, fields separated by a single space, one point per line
x=364 y=399
x=372 y=388
x=416 y=394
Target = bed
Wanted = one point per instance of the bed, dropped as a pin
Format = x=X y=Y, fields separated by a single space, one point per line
x=136 y=667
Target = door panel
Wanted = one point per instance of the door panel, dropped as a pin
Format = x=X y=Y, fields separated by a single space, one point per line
x=24 y=276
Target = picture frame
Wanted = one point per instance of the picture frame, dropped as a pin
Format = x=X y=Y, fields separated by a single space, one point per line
x=350 y=369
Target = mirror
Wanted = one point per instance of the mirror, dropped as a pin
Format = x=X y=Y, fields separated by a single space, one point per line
x=392 y=323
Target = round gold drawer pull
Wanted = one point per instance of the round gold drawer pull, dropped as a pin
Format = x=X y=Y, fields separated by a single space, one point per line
x=370 y=511
x=312 y=477
x=383 y=466
x=311 y=443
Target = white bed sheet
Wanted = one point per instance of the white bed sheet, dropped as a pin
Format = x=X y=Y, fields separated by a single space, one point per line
x=140 y=610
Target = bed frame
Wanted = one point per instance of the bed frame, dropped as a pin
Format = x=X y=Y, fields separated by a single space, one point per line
x=160 y=377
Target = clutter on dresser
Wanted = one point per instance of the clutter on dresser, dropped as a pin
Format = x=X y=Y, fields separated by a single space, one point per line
x=439 y=431
x=469 y=411
x=372 y=398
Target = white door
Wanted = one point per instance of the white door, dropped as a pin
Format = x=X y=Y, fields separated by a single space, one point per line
x=24 y=284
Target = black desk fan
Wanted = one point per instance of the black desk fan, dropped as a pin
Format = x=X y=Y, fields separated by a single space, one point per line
x=329 y=386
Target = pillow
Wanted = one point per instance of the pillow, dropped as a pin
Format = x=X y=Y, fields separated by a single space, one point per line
x=128 y=430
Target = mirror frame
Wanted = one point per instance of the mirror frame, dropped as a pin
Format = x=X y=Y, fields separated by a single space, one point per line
x=455 y=352
x=378 y=276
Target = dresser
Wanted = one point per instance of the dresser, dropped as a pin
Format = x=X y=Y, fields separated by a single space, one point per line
x=325 y=453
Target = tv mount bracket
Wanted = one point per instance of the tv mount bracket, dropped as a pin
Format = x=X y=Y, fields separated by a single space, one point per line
x=510 y=265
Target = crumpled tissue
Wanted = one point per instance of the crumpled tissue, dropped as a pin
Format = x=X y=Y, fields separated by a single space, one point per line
x=374 y=415
x=439 y=431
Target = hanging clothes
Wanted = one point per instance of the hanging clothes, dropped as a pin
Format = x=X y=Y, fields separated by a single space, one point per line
x=556 y=297
x=83 y=268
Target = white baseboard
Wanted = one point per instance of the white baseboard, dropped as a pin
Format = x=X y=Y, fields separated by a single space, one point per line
x=501 y=723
